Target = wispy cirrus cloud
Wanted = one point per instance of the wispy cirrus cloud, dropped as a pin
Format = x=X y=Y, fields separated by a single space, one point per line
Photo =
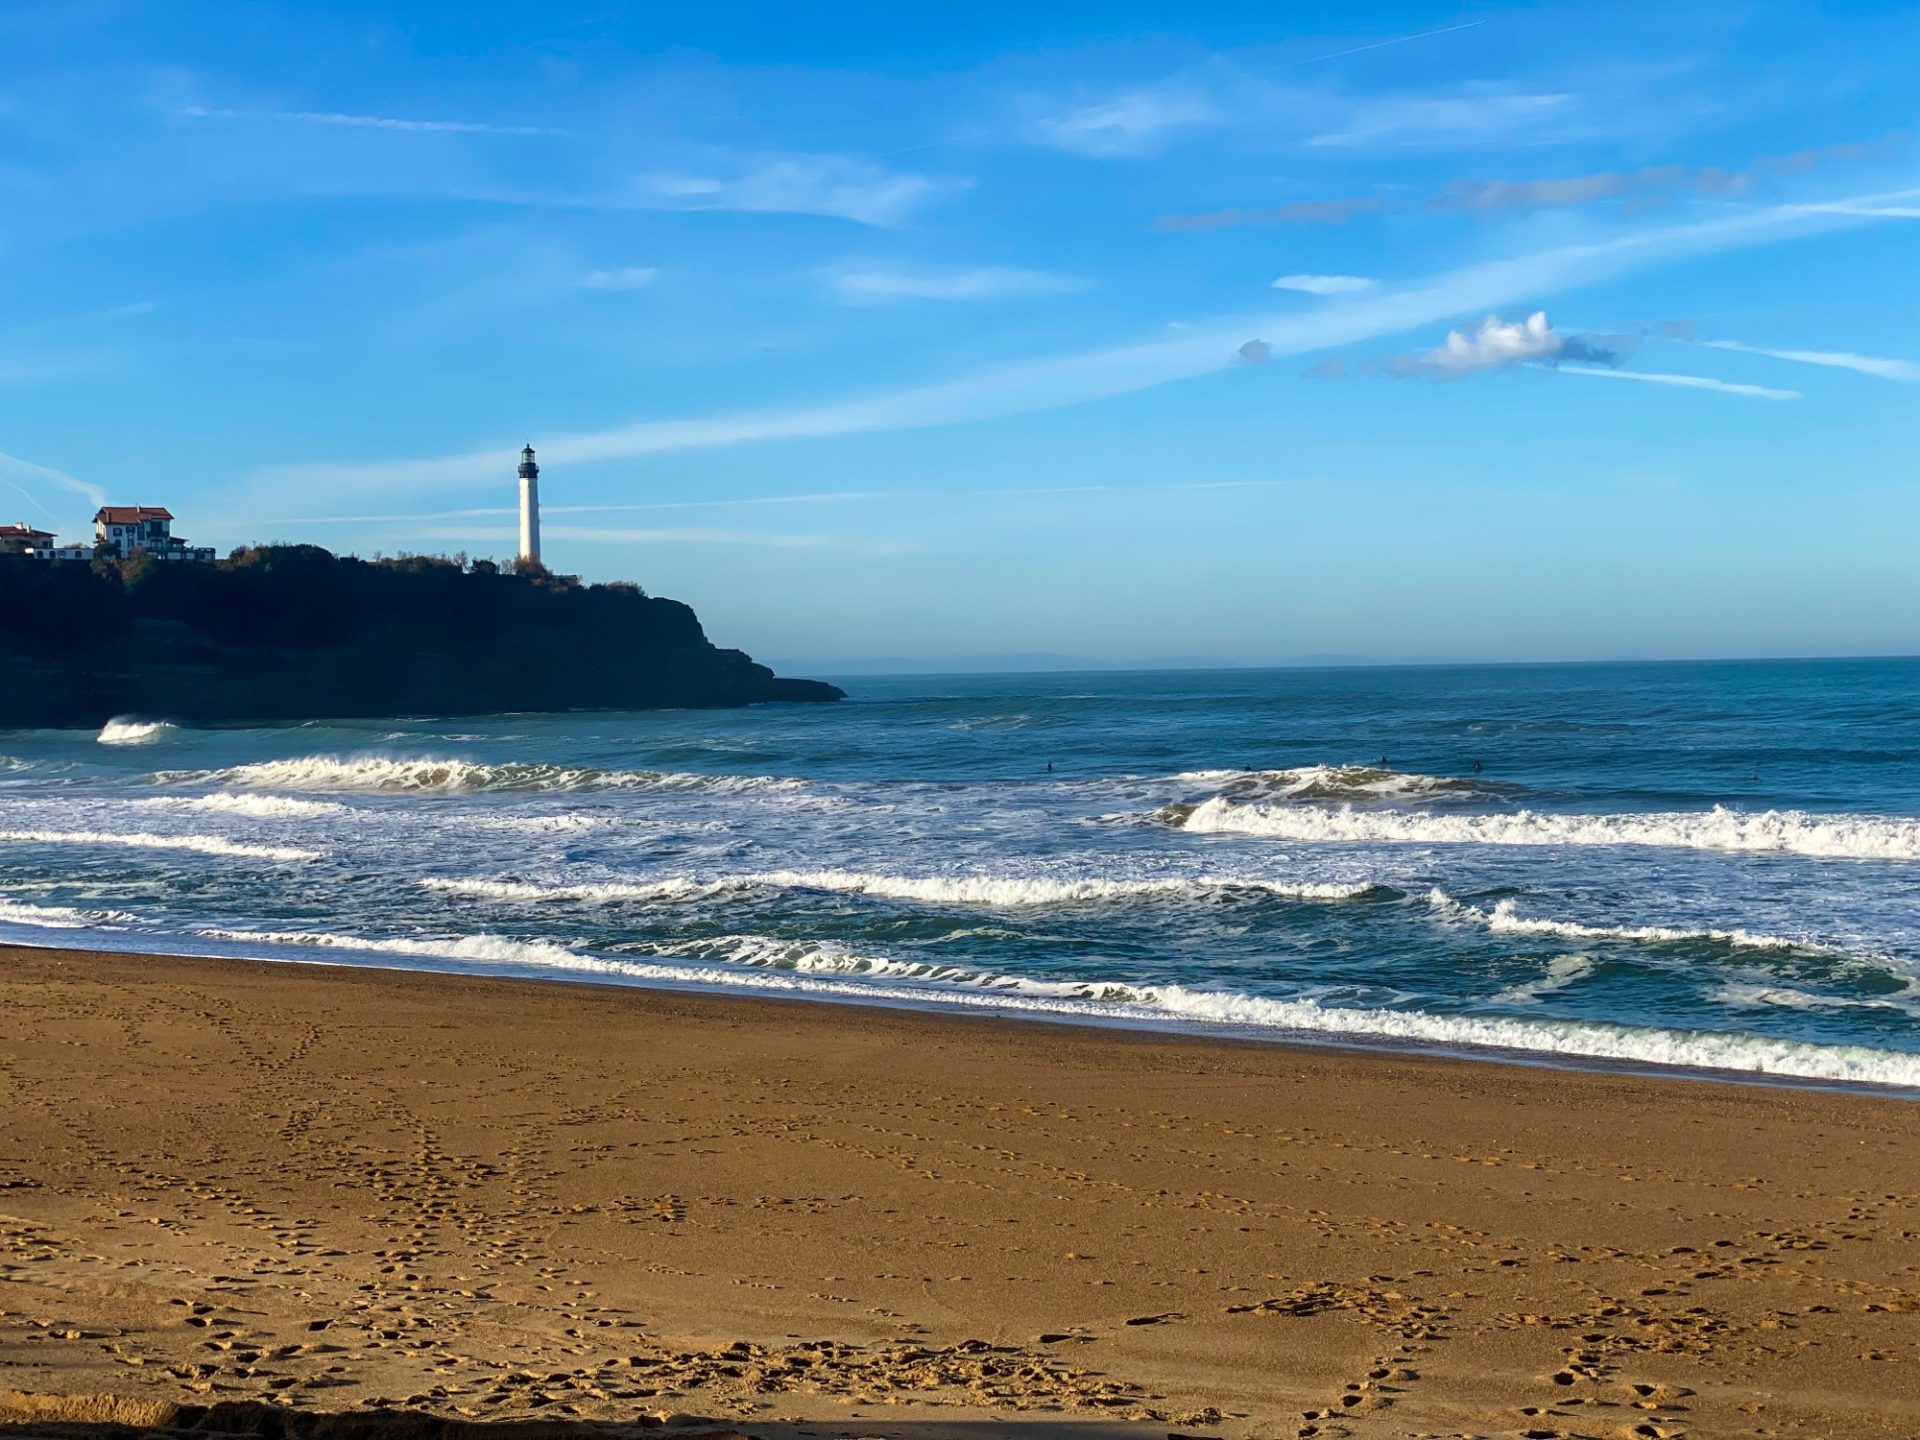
x=841 y=186
x=626 y=277
x=1132 y=123
x=15 y=470
x=345 y=120
x=1326 y=284
x=1299 y=212
x=1029 y=386
x=1685 y=382
x=991 y=282
x=1480 y=115
x=1647 y=188
x=1874 y=365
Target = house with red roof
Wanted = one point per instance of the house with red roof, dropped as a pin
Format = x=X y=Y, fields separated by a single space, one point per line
x=126 y=530
x=21 y=538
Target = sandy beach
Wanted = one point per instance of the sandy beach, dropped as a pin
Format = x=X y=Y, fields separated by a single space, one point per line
x=355 y=1193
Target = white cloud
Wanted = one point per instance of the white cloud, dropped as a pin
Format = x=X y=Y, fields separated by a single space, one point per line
x=1135 y=123
x=1480 y=115
x=1325 y=284
x=835 y=185
x=1687 y=382
x=1497 y=345
x=1874 y=365
x=629 y=277
x=878 y=287
x=1025 y=387
x=370 y=122
x=16 y=469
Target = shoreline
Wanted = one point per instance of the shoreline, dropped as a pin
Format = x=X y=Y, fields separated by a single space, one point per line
x=351 y=1190
x=963 y=1005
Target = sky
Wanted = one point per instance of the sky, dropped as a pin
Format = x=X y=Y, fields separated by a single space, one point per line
x=1116 y=334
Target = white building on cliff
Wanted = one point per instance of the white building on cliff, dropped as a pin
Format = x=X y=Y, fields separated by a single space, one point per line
x=126 y=530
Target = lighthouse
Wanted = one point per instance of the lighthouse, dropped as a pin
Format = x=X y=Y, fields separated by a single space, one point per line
x=529 y=507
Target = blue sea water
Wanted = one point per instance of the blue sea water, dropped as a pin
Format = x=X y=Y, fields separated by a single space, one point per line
x=1690 y=865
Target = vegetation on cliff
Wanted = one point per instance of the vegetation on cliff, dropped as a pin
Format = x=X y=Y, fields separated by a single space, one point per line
x=280 y=632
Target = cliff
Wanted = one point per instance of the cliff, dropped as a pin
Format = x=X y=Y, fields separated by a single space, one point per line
x=292 y=632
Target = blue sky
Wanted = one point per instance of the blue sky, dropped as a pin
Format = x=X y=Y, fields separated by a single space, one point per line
x=1115 y=332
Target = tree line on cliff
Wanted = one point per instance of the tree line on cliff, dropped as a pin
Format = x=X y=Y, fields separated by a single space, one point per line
x=294 y=631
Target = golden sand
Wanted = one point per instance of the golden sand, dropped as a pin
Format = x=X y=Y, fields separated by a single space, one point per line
x=353 y=1193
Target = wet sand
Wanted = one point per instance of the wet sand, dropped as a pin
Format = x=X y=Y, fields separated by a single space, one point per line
x=358 y=1193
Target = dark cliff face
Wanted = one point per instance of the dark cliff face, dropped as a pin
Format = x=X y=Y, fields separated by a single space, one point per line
x=295 y=633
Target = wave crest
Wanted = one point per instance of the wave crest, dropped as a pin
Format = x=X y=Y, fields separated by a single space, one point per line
x=198 y=844
x=61 y=917
x=1343 y=783
x=1015 y=891
x=387 y=773
x=264 y=807
x=1788 y=832
x=125 y=730
x=1504 y=919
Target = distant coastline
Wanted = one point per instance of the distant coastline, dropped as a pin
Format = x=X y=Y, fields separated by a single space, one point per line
x=297 y=633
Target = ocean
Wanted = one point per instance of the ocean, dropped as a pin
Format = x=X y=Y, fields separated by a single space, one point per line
x=1710 y=867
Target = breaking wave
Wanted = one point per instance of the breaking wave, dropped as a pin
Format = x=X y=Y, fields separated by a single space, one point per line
x=1786 y=832
x=198 y=844
x=1342 y=783
x=385 y=773
x=60 y=917
x=827 y=971
x=985 y=890
x=265 y=807
x=128 y=731
x=1502 y=919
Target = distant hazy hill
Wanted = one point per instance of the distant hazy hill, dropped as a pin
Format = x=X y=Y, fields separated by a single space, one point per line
x=294 y=632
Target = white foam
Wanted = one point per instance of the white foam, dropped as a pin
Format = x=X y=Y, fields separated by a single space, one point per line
x=1561 y=971
x=274 y=807
x=1026 y=890
x=128 y=731
x=1336 y=782
x=1503 y=920
x=1791 y=832
x=827 y=971
x=671 y=888
x=984 y=890
x=1762 y=994
x=381 y=772
x=60 y=917
x=199 y=844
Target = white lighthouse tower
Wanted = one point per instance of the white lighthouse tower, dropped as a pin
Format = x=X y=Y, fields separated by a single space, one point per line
x=529 y=507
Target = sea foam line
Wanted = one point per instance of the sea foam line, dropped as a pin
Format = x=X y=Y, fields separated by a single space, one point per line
x=1341 y=782
x=60 y=917
x=1503 y=919
x=1791 y=832
x=985 y=890
x=768 y=965
x=274 y=807
x=199 y=844
x=387 y=773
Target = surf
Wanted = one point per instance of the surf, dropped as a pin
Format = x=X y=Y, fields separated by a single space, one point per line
x=1783 y=832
